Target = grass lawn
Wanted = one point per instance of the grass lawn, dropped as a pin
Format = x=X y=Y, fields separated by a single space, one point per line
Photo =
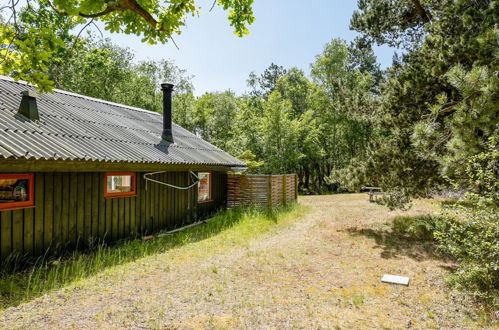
x=317 y=265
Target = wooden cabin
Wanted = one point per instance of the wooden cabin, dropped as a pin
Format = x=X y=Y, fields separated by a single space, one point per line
x=76 y=170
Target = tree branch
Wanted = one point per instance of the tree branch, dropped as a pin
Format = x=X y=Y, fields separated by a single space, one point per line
x=136 y=8
x=173 y=40
x=97 y=27
x=122 y=5
x=78 y=36
x=109 y=9
x=213 y=5
x=425 y=15
x=61 y=13
x=102 y=13
x=14 y=14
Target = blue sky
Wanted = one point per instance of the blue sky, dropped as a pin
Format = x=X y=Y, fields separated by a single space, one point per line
x=286 y=32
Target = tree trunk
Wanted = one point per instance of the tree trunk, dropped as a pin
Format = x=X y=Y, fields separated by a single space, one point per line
x=307 y=180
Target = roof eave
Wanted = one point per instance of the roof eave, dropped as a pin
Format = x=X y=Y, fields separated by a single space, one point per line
x=18 y=165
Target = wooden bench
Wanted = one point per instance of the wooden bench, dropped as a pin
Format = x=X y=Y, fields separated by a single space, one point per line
x=373 y=192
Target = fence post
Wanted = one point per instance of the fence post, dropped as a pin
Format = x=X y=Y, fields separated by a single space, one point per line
x=270 y=191
x=296 y=187
x=284 y=197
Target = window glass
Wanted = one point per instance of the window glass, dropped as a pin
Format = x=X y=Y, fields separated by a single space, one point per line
x=16 y=190
x=120 y=184
x=204 y=187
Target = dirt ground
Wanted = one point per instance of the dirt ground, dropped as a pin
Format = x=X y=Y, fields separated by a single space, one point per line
x=321 y=271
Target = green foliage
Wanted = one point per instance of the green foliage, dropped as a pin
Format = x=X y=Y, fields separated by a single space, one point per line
x=435 y=123
x=482 y=173
x=296 y=124
x=249 y=159
x=331 y=67
x=438 y=103
x=346 y=99
x=264 y=84
x=213 y=117
x=471 y=236
x=418 y=227
x=394 y=23
x=286 y=122
x=279 y=134
x=457 y=130
x=103 y=70
x=295 y=87
x=468 y=229
x=428 y=121
x=362 y=58
x=184 y=104
x=26 y=50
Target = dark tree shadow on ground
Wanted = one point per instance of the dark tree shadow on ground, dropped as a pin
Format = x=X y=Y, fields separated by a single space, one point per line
x=394 y=243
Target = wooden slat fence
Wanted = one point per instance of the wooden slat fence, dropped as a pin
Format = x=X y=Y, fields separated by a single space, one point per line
x=263 y=190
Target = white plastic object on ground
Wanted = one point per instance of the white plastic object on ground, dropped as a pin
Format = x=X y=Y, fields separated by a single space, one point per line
x=394 y=279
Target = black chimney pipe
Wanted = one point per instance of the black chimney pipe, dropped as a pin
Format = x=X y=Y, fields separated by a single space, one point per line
x=167 y=112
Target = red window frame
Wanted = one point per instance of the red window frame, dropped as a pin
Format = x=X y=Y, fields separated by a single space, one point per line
x=25 y=204
x=210 y=189
x=131 y=193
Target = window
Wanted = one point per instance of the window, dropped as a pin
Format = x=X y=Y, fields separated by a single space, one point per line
x=119 y=184
x=16 y=191
x=204 y=187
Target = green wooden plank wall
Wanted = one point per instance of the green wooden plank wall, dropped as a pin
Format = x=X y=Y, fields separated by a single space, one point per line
x=71 y=211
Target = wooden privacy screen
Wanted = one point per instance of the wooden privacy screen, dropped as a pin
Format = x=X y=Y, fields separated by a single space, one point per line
x=264 y=190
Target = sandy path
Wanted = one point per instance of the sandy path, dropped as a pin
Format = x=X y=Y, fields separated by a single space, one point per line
x=322 y=271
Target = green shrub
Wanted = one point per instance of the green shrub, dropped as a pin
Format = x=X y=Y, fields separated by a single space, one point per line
x=469 y=230
x=471 y=236
x=418 y=227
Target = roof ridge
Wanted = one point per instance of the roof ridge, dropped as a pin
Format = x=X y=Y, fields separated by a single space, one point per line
x=22 y=82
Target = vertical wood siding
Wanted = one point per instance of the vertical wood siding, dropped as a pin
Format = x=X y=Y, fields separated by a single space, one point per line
x=71 y=211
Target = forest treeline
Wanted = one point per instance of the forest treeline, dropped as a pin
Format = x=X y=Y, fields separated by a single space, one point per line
x=345 y=122
x=290 y=121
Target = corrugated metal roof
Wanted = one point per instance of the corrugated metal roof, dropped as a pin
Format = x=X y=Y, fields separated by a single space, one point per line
x=77 y=127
